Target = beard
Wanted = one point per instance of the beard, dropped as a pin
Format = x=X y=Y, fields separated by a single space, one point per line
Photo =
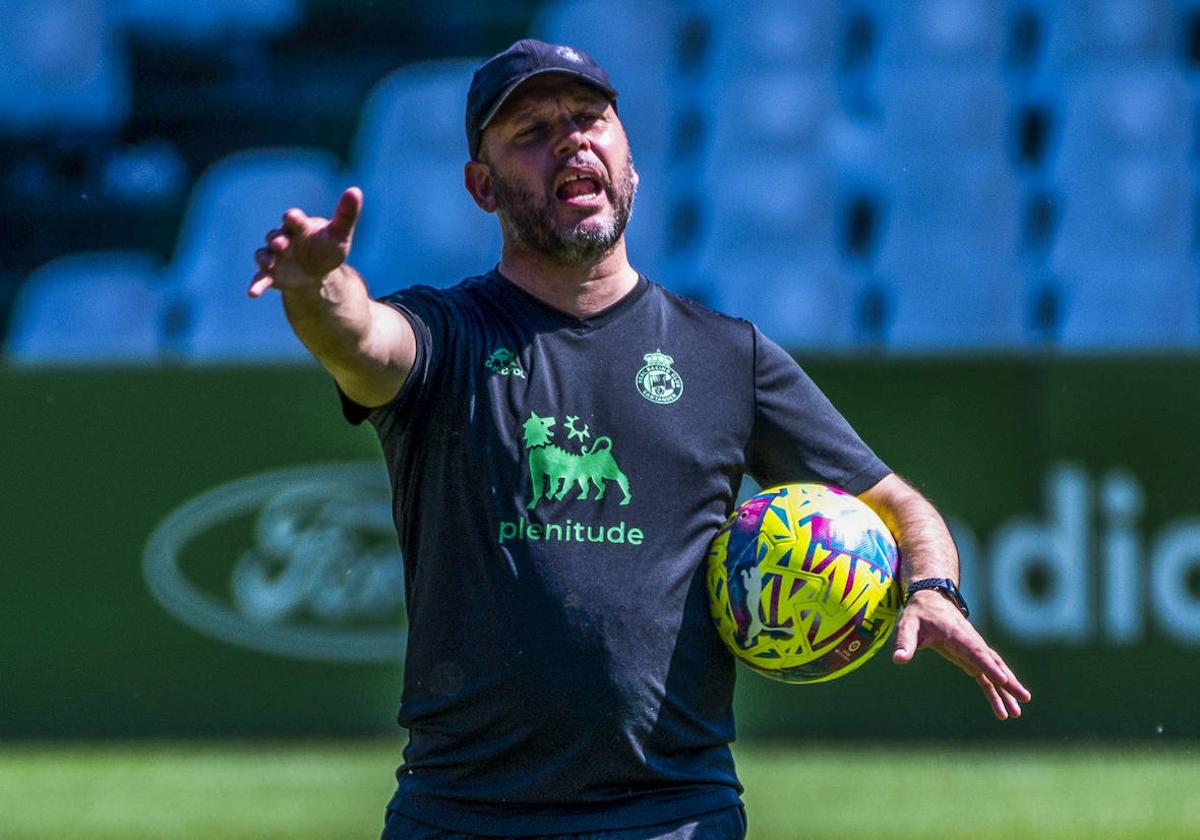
x=533 y=223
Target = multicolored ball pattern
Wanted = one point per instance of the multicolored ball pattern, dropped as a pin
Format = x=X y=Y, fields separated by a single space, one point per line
x=803 y=583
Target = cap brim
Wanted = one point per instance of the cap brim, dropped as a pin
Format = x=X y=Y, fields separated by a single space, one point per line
x=503 y=97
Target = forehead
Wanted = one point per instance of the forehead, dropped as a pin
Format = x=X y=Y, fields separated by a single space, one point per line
x=547 y=92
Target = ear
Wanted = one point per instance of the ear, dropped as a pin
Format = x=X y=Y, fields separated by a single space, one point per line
x=478 y=178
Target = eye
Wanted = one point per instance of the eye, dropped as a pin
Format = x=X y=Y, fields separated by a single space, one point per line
x=586 y=119
x=531 y=131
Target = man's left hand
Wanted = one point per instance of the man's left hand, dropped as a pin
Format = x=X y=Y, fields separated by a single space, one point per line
x=929 y=620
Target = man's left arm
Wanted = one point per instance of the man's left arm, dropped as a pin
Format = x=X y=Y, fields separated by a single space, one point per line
x=930 y=619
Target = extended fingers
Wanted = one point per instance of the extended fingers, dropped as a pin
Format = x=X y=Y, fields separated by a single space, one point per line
x=345 y=215
x=294 y=221
x=1000 y=687
x=999 y=708
x=260 y=283
x=1003 y=702
x=265 y=259
x=277 y=244
x=977 y=658
x=278 y=240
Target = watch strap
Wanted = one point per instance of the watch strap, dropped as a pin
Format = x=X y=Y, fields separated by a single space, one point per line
x=943 y=585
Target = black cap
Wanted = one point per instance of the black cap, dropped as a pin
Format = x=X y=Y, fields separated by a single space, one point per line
x=500 y=75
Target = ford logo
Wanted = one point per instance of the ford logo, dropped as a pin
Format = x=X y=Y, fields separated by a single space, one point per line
x=301 y=563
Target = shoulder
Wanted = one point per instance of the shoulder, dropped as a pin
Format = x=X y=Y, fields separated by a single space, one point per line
x=460 y=295
x=718 y=324
x=447 y=309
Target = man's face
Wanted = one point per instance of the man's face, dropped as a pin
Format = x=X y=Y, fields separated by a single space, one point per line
x=561 y=169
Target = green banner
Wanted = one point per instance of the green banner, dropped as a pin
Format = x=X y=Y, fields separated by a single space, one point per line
x=210 y=551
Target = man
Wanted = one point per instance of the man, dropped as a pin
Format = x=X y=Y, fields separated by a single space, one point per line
x=564 y=438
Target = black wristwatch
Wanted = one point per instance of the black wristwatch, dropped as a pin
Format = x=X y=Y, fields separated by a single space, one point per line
x=943 y=585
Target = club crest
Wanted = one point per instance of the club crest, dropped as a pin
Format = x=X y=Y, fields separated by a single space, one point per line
x=658 y=381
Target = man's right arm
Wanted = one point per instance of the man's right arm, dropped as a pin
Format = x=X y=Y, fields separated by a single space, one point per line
x=368 y=347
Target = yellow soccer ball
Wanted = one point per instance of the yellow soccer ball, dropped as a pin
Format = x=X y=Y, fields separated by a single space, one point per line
x=803 y=583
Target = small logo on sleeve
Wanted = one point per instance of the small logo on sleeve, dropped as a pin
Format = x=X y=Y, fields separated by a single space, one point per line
x=658 y=381
x=504 y=362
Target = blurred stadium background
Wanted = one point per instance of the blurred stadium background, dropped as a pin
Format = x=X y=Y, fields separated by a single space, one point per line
x=974 y=221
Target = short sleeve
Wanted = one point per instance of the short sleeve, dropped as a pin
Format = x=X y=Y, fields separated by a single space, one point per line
x=428 y=325
x=798 y=435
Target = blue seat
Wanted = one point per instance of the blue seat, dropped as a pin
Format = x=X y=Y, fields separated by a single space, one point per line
x=799 y=301
x=951 y=256
x=955 y=300
x=963 y=202
x=765 y=201
x=938 y=83
x=88 y=308
x=1128 y=302
x=1126 y=206
x=62 y=69
x=231 y=208
x=211 y=20
x=774 y=34
x=930 y=114
x=419 y=223
x=940 y=35
x=803 y=109
x=1083 y=35
x=1147 y=110
x=769 y=248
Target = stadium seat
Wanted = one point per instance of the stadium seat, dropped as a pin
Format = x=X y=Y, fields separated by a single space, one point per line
x=803 y=109
x=796 y=301
x=771 y=35
x=769 y=247
x=419 y=223
x=929 y=115
x=1130 y=205
x=1147 y=110
x=959 y=300
x=231 y=208
x=62 y=68
x=762 y=201
x=94 y=307
x=211 y=20
x=1083 y=35
x=1129 y=302
x=950 y=256
x=940 y=35
x=972 y=203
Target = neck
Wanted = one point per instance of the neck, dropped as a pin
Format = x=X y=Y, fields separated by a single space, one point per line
x=580 y=290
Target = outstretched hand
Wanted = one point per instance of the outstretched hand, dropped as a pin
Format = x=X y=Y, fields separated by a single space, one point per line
x=929 y=620
x=306 y=248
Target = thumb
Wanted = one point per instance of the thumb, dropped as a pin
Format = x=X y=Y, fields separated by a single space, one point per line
x=346 y=215
x=906 y=640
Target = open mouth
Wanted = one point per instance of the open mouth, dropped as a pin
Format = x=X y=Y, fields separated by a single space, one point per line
x=579 y=187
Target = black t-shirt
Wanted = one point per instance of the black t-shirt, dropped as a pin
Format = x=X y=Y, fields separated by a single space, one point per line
x=557 y=482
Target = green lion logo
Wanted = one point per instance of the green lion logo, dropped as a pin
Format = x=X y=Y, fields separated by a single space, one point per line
x=553 y=470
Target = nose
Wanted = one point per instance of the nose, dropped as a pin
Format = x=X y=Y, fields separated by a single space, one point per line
x=571 y=139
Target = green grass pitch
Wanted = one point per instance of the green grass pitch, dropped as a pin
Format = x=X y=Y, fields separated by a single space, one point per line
x=326 y=790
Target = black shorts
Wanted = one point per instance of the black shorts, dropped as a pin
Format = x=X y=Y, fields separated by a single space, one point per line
x=726 y=824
